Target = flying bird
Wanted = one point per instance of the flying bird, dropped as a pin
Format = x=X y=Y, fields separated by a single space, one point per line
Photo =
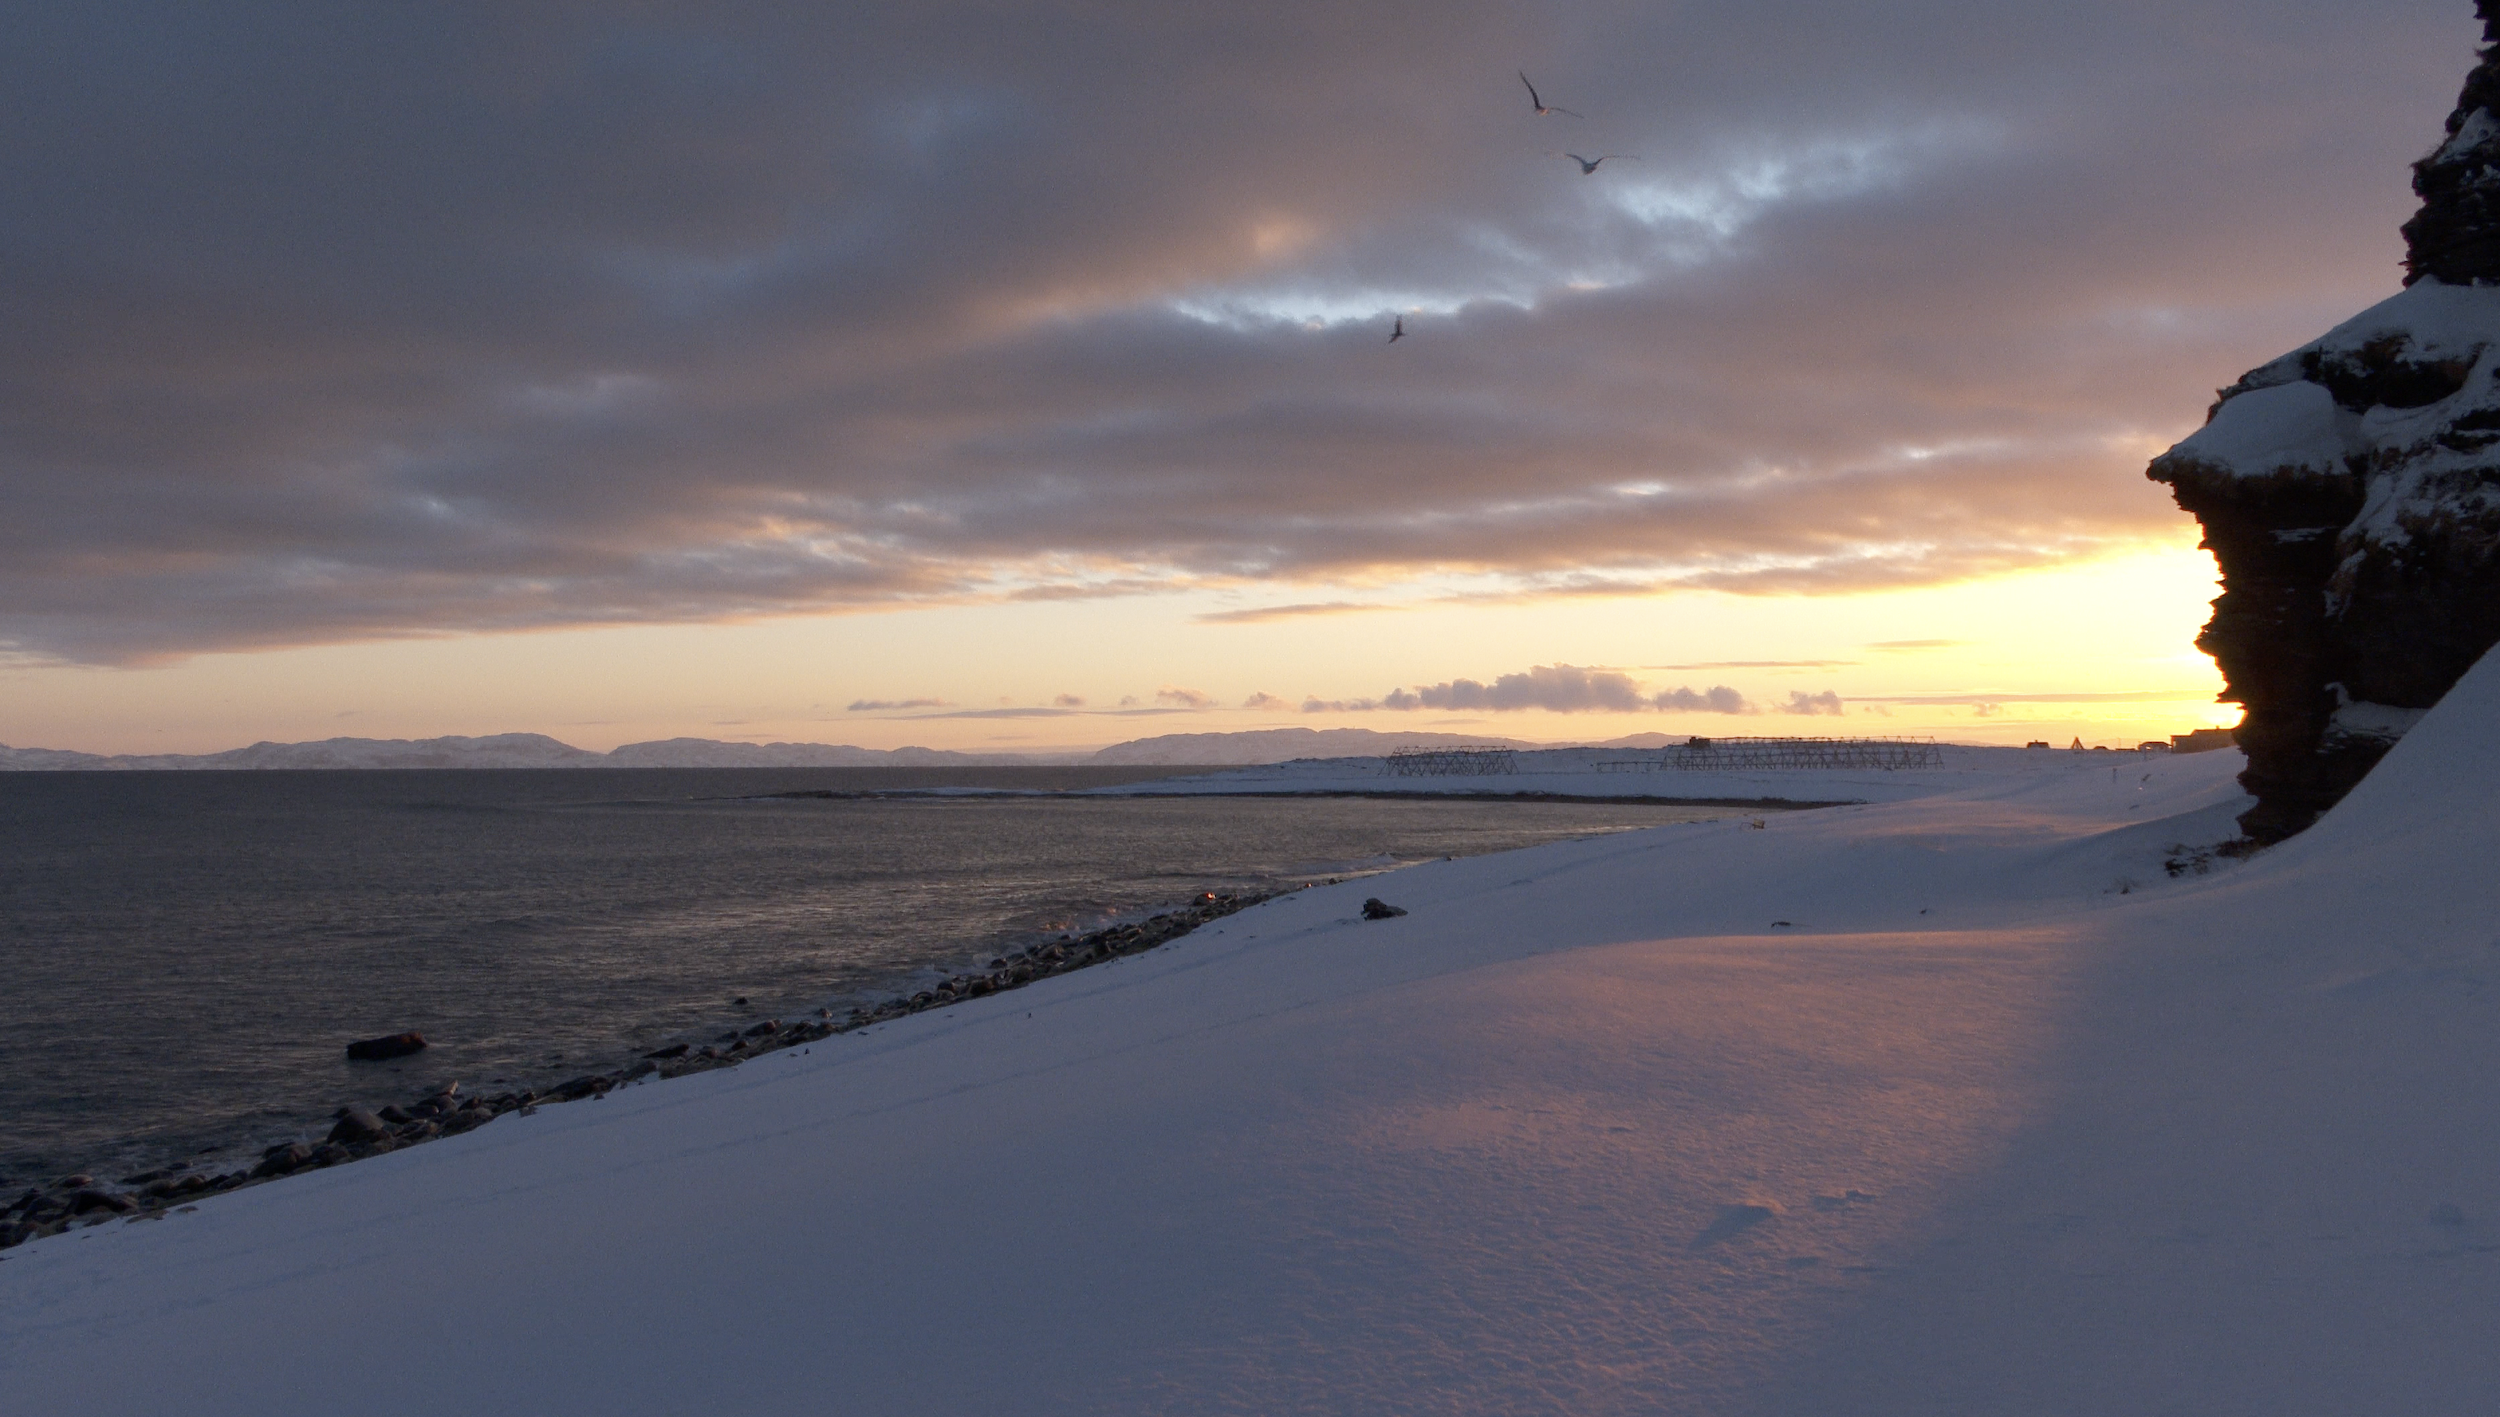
x=1543 y=109
x=1398 y=331
x=1588 y=165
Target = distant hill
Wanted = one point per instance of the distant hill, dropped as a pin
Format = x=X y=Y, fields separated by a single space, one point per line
x=501 y=750
x=710 y=753
x=537 y=750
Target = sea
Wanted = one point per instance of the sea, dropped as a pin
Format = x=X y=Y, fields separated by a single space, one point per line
x=184 y=955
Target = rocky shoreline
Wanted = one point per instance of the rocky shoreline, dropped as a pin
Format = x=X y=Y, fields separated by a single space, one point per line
x=81 y=1199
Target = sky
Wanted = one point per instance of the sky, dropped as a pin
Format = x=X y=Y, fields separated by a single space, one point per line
x=1017 y=377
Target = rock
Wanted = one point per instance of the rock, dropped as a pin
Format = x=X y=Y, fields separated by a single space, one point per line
x=1378 y=909
x=357 y=1125
x=395 y=1115
x=92 y=1200
x=2455 y=237
x=2350 y=493
x=279 y=1160
x=375 y=1050
x=78 y=1182
x=767 y=1026
x=674 y=1050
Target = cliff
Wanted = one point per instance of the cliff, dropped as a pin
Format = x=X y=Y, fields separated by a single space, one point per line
x=2350 y=493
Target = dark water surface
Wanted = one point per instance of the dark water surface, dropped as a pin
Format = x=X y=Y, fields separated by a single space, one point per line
x=183 y=955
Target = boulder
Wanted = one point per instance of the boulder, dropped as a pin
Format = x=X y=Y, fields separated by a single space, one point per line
x=357 y=1125
x=1378 y=909
x=375 y=1050
x=279 y=1160
x=90 y=1200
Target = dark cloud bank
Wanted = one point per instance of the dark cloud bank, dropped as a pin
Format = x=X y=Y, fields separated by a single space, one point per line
x=324 y=322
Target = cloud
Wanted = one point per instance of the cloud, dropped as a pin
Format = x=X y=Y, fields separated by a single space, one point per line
x=1184 y=698
x=1069 y=701
x=880 y=705
x=1801 y=702
x=2080 y=696
x=1556 y=688
x=1719 y=698
x=1263 y=613
x=1265 y=701
x=689 y=315
x=1903 y=646
x=1759 y=664
x=1552 y=688
x=1022 y=711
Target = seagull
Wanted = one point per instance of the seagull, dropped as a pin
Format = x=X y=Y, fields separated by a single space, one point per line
x=1398 y=331
x=1543 y=110
x=1588 y=165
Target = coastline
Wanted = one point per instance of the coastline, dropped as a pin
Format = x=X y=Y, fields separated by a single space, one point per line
x=1813 y=1117
x=82 y=1200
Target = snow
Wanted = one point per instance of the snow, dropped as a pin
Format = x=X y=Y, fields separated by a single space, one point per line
x=2476 y=132
x=2290 y=426
x=2359 y=718
x=1960 y=1102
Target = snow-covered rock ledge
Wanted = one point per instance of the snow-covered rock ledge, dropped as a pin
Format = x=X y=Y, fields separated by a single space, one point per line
x=2350 y=492
x=1959 y=1104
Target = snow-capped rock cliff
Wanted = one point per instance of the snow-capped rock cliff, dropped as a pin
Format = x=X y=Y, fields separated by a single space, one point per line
x=2351 y=493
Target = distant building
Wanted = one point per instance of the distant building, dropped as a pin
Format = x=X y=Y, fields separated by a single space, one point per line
x=2078 y=744
x=2204 y=740
x=2037 y=743
x=2152 y=745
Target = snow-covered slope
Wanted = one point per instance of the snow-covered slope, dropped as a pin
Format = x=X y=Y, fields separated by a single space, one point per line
x=1956 y=1104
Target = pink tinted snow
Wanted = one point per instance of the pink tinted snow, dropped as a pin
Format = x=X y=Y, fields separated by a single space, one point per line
x=2006 y=1118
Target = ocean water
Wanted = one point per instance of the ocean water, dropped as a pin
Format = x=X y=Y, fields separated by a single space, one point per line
x=183 y=956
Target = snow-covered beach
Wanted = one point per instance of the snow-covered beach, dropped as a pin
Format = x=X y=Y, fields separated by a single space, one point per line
x=1957 y=1102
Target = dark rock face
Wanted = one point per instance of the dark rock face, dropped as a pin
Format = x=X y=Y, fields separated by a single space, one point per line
x=2456 y=236
x=2350 y=492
